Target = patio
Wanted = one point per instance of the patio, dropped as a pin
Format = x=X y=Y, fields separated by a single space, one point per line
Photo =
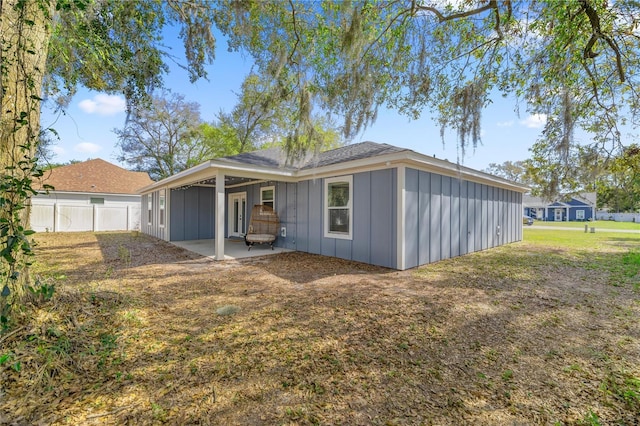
x=234 y=248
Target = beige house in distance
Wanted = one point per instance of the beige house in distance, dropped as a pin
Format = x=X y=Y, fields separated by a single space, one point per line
x=94 y=195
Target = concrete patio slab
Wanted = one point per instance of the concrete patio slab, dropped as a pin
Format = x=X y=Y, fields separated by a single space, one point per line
x=233 y=248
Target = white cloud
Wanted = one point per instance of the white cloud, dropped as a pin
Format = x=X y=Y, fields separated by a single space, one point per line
x=102 y=104
x=87 y=148
x=58 y=150
x=505 y=123
x=534 y=121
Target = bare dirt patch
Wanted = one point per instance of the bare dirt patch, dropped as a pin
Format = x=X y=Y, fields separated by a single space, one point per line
x=135 y=335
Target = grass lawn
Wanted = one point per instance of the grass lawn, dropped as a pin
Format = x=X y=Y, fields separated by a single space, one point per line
x=598 y=224
x=545 y=331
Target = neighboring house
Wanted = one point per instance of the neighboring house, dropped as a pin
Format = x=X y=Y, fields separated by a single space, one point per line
x=94 y=195
x=570 y=208
x=368 y=202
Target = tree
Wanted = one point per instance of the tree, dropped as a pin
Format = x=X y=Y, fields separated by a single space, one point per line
x=578 y=172
x=515 y=171
x=619 y=189
x=262 y=118
x=48 y=48
x=166 y=137
x=258 y=116
x=575 y=61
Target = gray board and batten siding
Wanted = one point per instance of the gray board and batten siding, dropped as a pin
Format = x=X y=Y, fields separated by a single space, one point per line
x=447 y=217
x=300 y=209
x=192 y=210
x=444 y=216
x=407 y=209
x=374 y=219
x=150 y=225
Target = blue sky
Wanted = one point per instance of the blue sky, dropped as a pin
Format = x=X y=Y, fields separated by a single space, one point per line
x=86 y=127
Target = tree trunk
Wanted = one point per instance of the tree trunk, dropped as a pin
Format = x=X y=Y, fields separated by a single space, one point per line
x=25 y=30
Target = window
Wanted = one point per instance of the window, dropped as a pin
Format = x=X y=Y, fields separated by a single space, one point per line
x=150 y=207
x=338 y=214
x=268 y=196
x=96 y=200
x=161 y=218
x=579 y=214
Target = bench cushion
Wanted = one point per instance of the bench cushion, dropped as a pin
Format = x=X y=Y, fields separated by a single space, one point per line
x=260 y=238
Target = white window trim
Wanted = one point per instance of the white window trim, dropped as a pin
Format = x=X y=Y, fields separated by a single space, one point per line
x=338 y=235
x=582 y=213
x=162 y=218
x=149 y=209
x=266 y=188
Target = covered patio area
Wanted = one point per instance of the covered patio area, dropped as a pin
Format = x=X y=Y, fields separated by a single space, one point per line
x=234 y=248
x=206 y=209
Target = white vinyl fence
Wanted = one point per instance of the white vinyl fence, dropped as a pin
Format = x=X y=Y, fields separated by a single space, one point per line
x=619 y=217
x=71 y=218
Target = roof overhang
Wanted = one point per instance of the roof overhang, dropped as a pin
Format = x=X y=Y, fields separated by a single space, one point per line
x=209 y=169
x=414 y=160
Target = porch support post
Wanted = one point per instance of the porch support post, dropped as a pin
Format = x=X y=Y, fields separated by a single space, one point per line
x=219 y=225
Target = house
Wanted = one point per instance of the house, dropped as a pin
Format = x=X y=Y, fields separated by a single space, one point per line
x=94 y=195
x=567 y=208
x=368 y=202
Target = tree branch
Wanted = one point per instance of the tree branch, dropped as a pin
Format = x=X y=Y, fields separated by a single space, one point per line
x=493 y=4
x=594 y=20
x=295 y=32
x=404 y=14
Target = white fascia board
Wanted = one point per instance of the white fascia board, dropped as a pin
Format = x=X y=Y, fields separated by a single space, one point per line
x=459 y=171
x=258 y=172
x=209 y=169
x=419 y=161
x=167 y=182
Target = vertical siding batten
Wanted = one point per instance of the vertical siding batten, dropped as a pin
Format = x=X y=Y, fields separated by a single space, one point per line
x=455 y=217
x=435 y=218
x=463 y=217
x=424 y=199
x=361 y=248
x=492 y=215
x=316 y=221
x=445 y=219
x=302 y=231
x=292 y=216
x=471 y=217
x=411 y=213
x=478 y=219
x=485 y=217
x=402 y=240
x=383 y=199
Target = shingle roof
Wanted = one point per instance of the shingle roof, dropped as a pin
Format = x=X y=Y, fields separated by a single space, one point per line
x=531 y=201
x=271 y=157
x=350 y=153
x=276 y=157
x=96 y=176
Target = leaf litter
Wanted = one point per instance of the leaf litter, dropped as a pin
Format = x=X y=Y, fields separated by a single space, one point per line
x=134 y=335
